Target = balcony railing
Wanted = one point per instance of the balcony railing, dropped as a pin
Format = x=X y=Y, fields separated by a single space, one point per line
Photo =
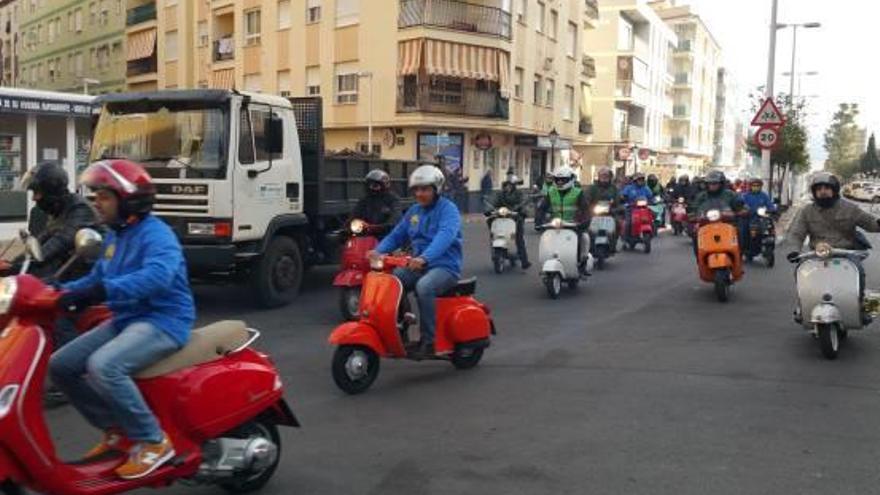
x=588 y=68
x=472 y=102
x=684 y=46
x=678 y=142
x=141 y=13
x=591 y=9
x=681 y=111
x=631 y=90
x=630 y=133
x=682 y=78
x=456 y=15
x=224 y=49
x=141 y=67
x=585 y=126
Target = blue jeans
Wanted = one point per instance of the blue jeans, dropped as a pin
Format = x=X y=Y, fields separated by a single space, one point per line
x=428 y=285
x=95 y=371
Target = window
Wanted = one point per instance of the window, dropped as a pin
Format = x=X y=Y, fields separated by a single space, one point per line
x=104 y=13
x=313 y=11
x=93 y=13
x=347 y=12
x=537 y=90
x=284 y=14
x=93 y=60
x=568 y=109
x=624 y=35
x=71 y=22
x=171 y=45
x=522 y=10
x=284 y=83
x=346 y=84
x=542 y=14
x=446 y=91
x=203 y=33
x=253 y=142
x=78 y=20
x=518 y=81
x=253 y=83
x=572 y=39
x=51 y=35
x=551 y=89
x=313 y=81
x=554 y=24
x=252 y=29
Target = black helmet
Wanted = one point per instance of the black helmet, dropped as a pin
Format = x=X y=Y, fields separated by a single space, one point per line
x=652 y=179
x=825 y=179
x=380 y=177
x=638 y=176
x=715 y=177
x=49 y=180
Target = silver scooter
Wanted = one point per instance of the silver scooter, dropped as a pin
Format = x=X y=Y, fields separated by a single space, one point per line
x=829 y=300
x=603 y=233
x=503 y=231
x=559 y=257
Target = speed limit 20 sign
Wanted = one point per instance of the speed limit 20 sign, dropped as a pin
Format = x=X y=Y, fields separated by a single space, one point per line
x=767 y=137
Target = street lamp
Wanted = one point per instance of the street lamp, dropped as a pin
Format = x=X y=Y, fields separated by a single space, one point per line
x=794 y=27
x=554 y=137
x=86 y=82
x=369 y=75
x=800 y=81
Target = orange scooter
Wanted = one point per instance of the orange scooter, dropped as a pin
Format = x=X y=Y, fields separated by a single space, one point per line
x=462 y=332
x=718 y=254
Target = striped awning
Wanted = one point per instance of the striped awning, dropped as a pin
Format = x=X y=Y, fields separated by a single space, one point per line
x=223 y=79
x=141 y=45
x=504 y=72
x=409 y=57
x=446 y=58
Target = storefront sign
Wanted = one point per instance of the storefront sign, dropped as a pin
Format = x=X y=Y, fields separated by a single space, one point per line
x=18 y=104
x=644 y=154
x=483 y=141
x=527 y=141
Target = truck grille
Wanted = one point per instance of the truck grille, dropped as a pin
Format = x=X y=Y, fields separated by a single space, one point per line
x=176 y=200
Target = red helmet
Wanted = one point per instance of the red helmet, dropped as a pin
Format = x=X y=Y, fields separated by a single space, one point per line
x=127 y=180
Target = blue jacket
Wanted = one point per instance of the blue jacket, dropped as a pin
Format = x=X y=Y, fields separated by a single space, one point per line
x=434 y=233
x=757 y=200
x=144 y=274
x=633 y=193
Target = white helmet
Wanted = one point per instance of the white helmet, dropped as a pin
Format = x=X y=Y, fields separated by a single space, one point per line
x=563 y=177
x=427 y=175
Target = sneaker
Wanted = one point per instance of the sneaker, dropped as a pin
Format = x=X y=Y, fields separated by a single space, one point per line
x=113 y=441
x=525 y=265
x=425 y=350
x=146 y=457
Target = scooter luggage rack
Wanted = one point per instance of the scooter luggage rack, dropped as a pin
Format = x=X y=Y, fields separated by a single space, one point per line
x=255 y=335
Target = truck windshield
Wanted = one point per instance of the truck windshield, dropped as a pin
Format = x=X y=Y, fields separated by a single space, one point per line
x=184 y=143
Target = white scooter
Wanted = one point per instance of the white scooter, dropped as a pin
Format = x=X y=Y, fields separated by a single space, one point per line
x=603 y=232
x=559 y=257
x=503 y=232
x=829 y=304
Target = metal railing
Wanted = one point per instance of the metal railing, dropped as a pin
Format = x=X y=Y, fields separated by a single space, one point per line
x=591 y=9
x=681 y=111
x=629 y=89
x=677 y=142
x=468 y=101
x=631 y=133
x=228 y=54
x=141 y=13
x=455 y=14
x=684 y=46
x=682 y=78
x=588 y=68
x=141 y=67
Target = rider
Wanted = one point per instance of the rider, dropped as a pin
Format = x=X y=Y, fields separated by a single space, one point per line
x=512 y=199
x=568 y=202
x=682 y=189
x=633 y=192
x=654 y=185
x=831 y=220
x=379 y=207
x=755 y=199
x=603 y=189
x=142 y=278
x=717 y=197
x=432 y=228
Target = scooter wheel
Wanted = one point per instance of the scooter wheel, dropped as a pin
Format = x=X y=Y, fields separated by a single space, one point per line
x=553 y=283
x=10 y=488
x=722 y=285
x=355 y=368
x=257 y=429
x=349 y=302
x=771 y=259
x=466 y=358
x=829 y=340
x=600 y=262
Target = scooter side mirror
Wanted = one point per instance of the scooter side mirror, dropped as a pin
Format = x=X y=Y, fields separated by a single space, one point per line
x=88 y=244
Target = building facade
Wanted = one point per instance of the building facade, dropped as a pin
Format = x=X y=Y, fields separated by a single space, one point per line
x=728 y=123
x=72 y=46
x=632 y=101
x=480 y=84
x=9 y=39
x=696 y=61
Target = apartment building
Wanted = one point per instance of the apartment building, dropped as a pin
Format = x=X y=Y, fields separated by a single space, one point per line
x=9 y=42
x=482 y=84
x=729 y=124
x=72 y=46
x=632 y=98
x=696 y=60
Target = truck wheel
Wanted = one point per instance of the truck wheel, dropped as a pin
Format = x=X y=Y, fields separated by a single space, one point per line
x=279 y=273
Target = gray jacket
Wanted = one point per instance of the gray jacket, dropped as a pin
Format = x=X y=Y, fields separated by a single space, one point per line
x=835 y=225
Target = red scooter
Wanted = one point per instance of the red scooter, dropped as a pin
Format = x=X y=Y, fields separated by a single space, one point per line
x=679 y=216
x=220 y=402
x=462 y=332
x=641 y=228
x=354 y=266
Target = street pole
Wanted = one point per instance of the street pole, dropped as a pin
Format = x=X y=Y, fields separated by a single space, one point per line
x=768 y=90
x=793 y=58
x=370 y=123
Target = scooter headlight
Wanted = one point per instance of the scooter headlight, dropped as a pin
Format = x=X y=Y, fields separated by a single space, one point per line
x=8 y=288
x=503 y=211
x=823 y=250
x=357 y=226
x=556 y=223
x=658 y=199
x=713 y=215
x=762 y=211
x=377 y=263
x=681 y=200
x=601 y=210
x=7 y=399
x=642 y=202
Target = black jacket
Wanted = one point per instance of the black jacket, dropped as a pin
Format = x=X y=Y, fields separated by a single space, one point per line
x=379 y=210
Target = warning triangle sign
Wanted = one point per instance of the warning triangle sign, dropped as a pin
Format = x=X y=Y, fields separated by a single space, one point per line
x=768 y=114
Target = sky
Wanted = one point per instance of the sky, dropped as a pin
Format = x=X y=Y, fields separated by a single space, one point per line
x=844 y=51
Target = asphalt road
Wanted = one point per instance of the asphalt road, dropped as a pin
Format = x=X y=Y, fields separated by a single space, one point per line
x=640 y=382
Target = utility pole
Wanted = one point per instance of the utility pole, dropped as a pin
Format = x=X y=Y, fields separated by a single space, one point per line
x=768 y=90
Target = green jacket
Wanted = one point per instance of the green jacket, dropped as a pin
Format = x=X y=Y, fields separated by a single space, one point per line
x=571 y=205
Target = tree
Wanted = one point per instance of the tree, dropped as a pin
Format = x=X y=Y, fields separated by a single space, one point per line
x=792 y=155
x=841 y=141
x=870 y=162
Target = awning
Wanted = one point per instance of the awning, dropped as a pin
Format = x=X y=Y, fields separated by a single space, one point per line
x=445 y=58
x=504 y=72
x=224 y=79
x=142 y=45
x=409 y=57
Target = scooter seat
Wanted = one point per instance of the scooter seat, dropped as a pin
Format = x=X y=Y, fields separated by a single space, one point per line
x=465 y=287
x=206 y=344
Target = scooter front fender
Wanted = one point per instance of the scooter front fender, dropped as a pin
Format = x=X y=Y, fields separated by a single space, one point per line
x=825 y=313
x=553 y=266
x=500 y=243
x=349 y=278
x=358 y=333
x=283 y=414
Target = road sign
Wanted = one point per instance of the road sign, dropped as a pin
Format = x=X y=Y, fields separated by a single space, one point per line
x=768 y=114
x=767 y=137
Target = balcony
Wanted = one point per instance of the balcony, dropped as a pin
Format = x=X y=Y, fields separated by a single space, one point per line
x=682 y=79
x=468 y=101
x=141 y=67
x=141 y=14
x=585 y=125
x=684 y=46
x=681 y=111
x=630 y=90
x=630 y=133
x=591 y=9
x=455 y=15
x=224 y=49
x=588 y=66
x=678 y=142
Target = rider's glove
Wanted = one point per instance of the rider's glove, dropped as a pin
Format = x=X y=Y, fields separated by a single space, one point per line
x=793 y=256
x=77 y=300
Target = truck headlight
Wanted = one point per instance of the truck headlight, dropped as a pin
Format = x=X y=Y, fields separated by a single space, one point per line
x=357 y=226
x=209 y=229
x=713 y=215
x=8 y=288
